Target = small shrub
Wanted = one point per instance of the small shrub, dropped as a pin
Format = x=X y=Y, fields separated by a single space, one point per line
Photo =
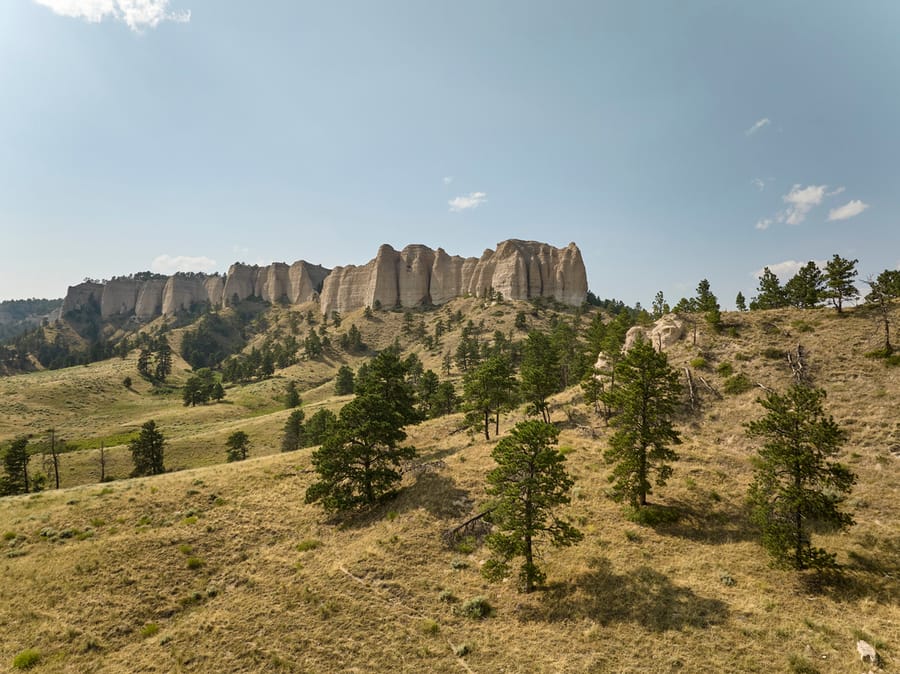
x=149 y=630
x=739 y=383
x=476 y=608
x=725 y=369
x=127 y=382
x=466 y=545
x=727 y=580
x=308 y=544
x=27 y=659
x=462 y=650
x=447 y=597
x=430 y=626
x=185 y=549
x=651 y=515
x=9 y=535
x=459 y=564
x=632 y=536
x=773 y=353
x=194 y=563
x=698 y=363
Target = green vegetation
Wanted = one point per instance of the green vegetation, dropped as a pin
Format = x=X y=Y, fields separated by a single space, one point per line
x=147 y=451
x=795 y=486
x=529 y=482
x=238 y=445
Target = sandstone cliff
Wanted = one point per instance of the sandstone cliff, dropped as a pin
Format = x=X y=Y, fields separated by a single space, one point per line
x=417 y=275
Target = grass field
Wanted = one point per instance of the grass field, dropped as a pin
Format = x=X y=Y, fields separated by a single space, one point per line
x=222 y=567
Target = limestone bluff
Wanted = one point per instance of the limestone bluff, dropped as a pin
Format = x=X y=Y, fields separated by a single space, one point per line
x=414 y=276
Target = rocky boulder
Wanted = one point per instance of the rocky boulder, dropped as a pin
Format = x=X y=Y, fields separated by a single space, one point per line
x=662 y=334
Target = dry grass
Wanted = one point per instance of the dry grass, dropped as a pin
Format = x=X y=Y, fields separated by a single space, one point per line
x=279 y=587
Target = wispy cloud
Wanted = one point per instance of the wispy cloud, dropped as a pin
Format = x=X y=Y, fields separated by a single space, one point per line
x=835 y=191
x=848 y=210
x=787 y=269
x=169 y=264
x=758 y=183
x=758 y=125
x=800 y=201
x=764 y=223
x=136 y=14
x=464 y=203
x=448 y=180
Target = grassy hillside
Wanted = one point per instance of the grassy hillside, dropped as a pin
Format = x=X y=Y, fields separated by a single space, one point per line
x=224 y=568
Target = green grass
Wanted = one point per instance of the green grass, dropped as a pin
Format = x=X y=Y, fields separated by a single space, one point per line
x=26 y=659
x=308 y=544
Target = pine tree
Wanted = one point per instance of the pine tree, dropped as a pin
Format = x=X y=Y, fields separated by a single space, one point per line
x=238 y=445
x=294 y=432
x=645 y=399
x=740 y=302
x=806 y=288
x=318 y=427
x=15 y=481
x=770 y=294
x=882 y=293
x=539 y=372
x=839 y=275
x=528 y=484
x=343 y=382
x=291 y=395
x=163 y=359
x=147 y=451
x=488 y=390
x=795 y=486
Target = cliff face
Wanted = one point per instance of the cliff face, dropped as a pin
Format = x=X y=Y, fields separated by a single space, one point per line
x=415 y=276
x=519 y=270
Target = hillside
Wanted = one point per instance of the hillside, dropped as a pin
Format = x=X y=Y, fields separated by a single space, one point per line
x=222 y=567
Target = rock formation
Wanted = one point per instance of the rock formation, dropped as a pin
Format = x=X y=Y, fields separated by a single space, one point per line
x=662 y=334
x=415 y=276
x=518 y=270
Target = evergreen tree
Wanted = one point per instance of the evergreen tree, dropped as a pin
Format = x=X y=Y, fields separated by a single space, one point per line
x=294 y=435
x=539 y=372
x=359 y=463
x=660 y=306
x=291 y=395
x=645 y=399
x=770 y=294
x=143 y=363
x=795 y=486
x=839 y=275
x=806 y=288
x=740 y=302
x=238 y=445
x=882 y=293
x=217 y=392
x=444 y=401
x=147 y=451
x=528 y=484
x=163 y=358
x=15 y=481
x=312 y=345
x=343 y=382
x=488 y=390
x=707 y=303
x=318 y=427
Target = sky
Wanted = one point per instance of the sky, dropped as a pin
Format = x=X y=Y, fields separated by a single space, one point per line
x=672 y=141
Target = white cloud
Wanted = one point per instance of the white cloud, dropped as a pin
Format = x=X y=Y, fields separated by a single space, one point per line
x=800 y=202
x=787 y=269
x=848 y=210
x=472 y=200
x=760 y=123
x=759 y=184
x=836 y=190
x=448 y=180
x=169 y=264
x=764 y=223
x=137 y=14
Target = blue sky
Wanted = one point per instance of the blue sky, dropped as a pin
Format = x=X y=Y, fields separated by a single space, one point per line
x=671 y=141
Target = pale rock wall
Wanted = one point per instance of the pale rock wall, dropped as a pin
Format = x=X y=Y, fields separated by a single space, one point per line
x=79 y=295
x=665 y=332
x=417 y=275
x=119 y=296
x=305 y=281
x=183 y=291
x=215 y=290
x=241 y=281
x=150 y=299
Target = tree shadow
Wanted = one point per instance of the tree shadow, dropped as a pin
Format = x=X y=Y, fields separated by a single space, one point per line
x=714 y=523
x=643 y=596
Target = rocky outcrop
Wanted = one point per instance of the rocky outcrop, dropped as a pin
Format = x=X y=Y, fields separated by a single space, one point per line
x=518 y=270
x=81 y=295
x=662 y=334
x=414 y=276
x=150 y=299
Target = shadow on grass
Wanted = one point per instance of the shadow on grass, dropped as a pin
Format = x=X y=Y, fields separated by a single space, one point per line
x=435 y=493
x=643 y=596
x=711 y=523
x=866 y=576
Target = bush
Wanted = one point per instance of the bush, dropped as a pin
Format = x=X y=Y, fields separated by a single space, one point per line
x=725 y=370
x=698 y=363
x=739 y=383
x=27 y=659
x=308 y=544
x=476 y=608
x=773 y=353
x=194 y=563
x=149 y=630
